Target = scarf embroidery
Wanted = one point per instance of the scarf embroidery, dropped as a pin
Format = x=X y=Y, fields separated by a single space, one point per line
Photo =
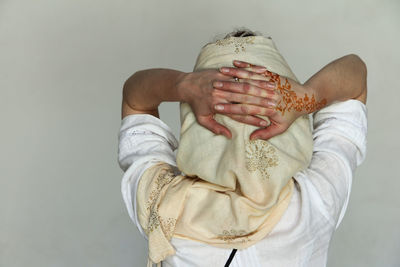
x=155 y=220
x=260 y=156
x=239 y=43
x=234 y=235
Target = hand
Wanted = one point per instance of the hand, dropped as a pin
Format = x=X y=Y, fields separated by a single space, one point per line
x=290 y=99
x=200 y=91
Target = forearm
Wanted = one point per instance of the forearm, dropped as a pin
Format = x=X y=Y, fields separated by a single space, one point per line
x=145 y=90
x=342 y=79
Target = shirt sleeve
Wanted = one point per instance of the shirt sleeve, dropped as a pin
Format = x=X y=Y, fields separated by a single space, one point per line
x=339 y=134
x=144 y=140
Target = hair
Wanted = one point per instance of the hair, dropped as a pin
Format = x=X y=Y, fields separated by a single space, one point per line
x=238 y=32
x=242 y=32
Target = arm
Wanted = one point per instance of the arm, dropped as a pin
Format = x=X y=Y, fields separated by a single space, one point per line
x=339 y=135
x=342 y=79
x=340 y=146
x=144 y=141
x=145 y=90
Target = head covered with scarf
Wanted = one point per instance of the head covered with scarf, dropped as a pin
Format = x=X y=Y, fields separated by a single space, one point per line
x=232 y=191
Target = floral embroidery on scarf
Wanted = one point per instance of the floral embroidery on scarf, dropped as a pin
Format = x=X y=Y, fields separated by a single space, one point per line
x=164 y=178
x=155 y=220
x=239 y=43
x=168 y=226
x=260 y=156
x=234 y=235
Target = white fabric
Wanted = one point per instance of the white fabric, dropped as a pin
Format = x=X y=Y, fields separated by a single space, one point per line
x=318 y=204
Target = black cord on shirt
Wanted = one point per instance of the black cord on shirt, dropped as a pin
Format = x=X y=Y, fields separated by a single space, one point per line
x=230 y=257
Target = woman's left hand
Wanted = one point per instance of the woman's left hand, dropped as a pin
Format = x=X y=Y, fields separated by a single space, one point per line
x=290 y=99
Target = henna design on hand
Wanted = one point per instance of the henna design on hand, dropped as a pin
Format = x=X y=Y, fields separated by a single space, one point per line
x=290 y=100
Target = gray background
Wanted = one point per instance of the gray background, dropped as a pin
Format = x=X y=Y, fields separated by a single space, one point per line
x=62 y=67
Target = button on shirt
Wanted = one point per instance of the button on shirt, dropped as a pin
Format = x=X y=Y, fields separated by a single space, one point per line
x=318 y=204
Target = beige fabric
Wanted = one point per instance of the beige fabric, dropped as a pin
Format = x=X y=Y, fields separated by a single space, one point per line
x=234 y=191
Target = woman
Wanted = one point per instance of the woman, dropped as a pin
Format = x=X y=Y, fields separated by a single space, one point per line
x=299 y=234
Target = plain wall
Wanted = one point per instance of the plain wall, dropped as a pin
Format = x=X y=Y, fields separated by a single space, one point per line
x=62 y=67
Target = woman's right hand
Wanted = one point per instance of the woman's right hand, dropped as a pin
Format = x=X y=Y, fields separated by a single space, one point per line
x=200 y=91
x=291 y=99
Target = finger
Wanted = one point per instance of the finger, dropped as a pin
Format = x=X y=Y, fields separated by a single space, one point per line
x=249 y=66
x=255 y=88
x=244 y=98
x=267 y=133
x=211 y=124
x=268 y=85
x=244 y=109
x=251 y=120
x=243 y=74
x=241 y=64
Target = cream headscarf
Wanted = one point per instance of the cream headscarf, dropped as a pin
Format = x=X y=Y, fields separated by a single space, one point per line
x=233 y=191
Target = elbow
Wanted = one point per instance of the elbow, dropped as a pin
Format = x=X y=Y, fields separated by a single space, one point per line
x=360 y=71
x=130 y=82
x=132 y=77
x=359 y=64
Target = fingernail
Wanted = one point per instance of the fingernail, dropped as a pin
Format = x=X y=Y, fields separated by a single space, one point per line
x=273 y=104
x=263 y=123
x=219 y=107
x=253 y=138
x=225 y=70
x=217 y=84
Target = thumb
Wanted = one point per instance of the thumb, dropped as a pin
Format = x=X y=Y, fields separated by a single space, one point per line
x=267 y=133
x=211 y=124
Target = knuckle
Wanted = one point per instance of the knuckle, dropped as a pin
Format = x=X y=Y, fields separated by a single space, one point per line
x=244 y=109
x=246 y=87
x=229 y=95
x=246 y=99
x=235 y=86
x=264 y=102
x=256 y=111
x=262 y=84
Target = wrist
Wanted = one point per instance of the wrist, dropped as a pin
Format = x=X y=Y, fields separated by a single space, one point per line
x=315 y=100
x=182 y=91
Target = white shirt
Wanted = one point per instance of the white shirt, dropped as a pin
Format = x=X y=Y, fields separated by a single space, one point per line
x=318 y=204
